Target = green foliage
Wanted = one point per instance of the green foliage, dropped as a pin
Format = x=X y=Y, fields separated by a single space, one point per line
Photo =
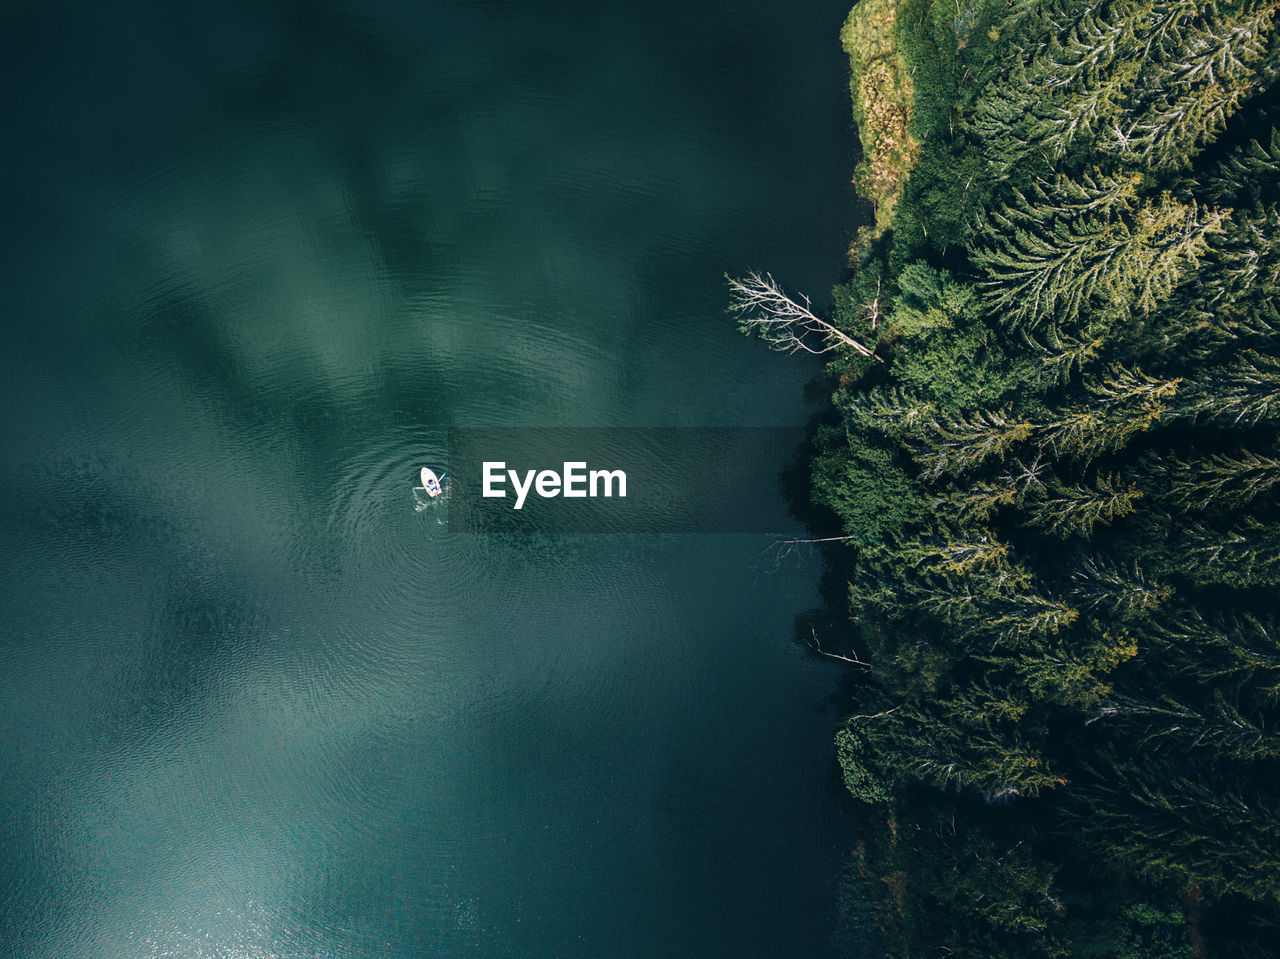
x=858 y=479
x=1088 y=247
x=856 y=764
x=1219 y=481
x=1249 y=176
x=929 y=300
x=1064 y=481
x=1129 y=82
x=1139 y=930
x=943 y=884
x=948 y=353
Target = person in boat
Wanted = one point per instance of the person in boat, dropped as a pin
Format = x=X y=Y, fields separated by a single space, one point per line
x=433 y=487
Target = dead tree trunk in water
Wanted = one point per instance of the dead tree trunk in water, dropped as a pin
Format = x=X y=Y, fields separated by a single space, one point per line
x=785 y=324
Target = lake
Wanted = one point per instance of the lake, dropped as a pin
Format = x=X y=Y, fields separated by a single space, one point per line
x=259 y=259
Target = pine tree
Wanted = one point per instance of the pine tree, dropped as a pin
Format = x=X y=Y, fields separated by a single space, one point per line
x=1217 y=481
x=1180 y=826
x=894 y=412
x=1244 y=391
x=1062 y=355
x=1119 y=259
x=1072 y=77
x=1069 y=509
x=974 y=502
x=1248 y=176
x=1139 y=83
x=1226 y=306
x=1186 y=97
x=956 y=442
x=1242 y=649
x=1243 y=554
x=1121 y=592
x=1075 y=672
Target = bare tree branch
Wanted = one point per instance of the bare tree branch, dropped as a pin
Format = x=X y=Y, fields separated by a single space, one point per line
x=816 y=646
x=785 y=324
x=873 y=310
x=820 y=539
x=785 y=549
x=887 y=712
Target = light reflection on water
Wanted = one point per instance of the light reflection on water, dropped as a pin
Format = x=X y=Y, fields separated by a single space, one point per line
x=252 y=702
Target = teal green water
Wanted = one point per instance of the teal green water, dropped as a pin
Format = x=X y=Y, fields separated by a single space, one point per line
x=257 y=261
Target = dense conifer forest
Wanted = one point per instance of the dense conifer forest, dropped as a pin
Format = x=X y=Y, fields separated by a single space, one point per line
x=1055 y=463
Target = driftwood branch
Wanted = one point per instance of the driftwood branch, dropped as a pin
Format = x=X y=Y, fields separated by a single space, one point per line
x=820 y=539
x=784 y=549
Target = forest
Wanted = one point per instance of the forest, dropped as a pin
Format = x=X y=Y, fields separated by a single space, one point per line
x=1053 y=467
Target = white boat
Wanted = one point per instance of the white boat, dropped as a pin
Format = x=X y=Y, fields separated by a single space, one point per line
x=430 y=482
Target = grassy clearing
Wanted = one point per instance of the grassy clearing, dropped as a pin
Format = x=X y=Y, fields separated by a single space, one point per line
x=883 y=95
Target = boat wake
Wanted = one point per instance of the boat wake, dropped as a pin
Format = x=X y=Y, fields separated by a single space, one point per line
x=422 y=500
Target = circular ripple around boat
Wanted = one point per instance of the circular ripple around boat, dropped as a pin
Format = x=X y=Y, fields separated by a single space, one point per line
x=379 y=520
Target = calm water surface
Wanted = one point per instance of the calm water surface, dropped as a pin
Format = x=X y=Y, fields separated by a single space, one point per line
x=257 y=260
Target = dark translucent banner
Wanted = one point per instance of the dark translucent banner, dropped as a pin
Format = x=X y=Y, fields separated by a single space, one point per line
x=628 y=480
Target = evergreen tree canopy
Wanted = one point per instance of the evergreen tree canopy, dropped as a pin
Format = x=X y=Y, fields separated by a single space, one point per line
x=1062 y=489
